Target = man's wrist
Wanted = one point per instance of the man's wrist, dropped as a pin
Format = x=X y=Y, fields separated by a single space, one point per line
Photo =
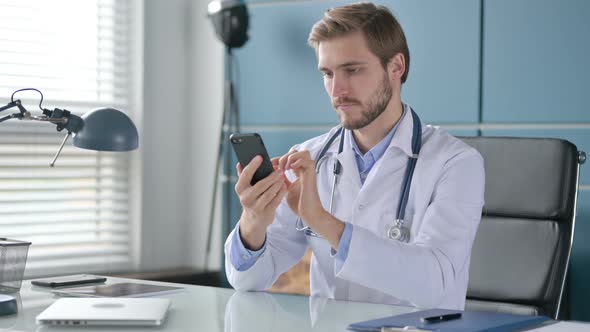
x=252 y=237
x=326 y=225
x=314 y=217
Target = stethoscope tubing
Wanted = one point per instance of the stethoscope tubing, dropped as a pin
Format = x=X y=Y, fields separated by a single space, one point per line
x=406 y=183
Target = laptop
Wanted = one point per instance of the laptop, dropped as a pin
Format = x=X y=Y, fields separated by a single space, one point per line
x=105 y=311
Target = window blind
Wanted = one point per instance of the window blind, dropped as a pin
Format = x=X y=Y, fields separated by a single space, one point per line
x=80 y=55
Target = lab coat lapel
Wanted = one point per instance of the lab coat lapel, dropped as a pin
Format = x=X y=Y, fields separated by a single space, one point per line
x=403 y=136
x=399 y=150
x=349 y=180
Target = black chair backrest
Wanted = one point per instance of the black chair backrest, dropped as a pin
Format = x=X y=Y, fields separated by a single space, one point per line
x=521 y=251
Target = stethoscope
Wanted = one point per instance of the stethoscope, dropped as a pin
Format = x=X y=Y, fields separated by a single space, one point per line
x=397 y=231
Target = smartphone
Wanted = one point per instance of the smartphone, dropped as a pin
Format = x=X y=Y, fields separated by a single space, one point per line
x=248 y=146
x=79 y=279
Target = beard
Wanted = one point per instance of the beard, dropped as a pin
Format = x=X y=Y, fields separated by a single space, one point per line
x=375 y=106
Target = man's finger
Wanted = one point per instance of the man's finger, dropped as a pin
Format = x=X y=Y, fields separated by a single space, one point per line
x=294 y=157
x=269 y=194
x=245 y=178
x=290 y=159
x=283 y=160
x=263 y=185
x=302 y=163
x=275 y=161
x=274 y=203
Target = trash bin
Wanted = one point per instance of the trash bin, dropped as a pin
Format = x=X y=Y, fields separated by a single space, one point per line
x=13 y=258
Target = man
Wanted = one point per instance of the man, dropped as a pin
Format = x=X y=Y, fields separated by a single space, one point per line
x=361 y=252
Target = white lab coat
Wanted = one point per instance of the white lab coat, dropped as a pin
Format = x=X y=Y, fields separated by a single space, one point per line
x=443 y=213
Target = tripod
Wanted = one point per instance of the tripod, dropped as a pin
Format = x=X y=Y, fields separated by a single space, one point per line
x=230 y=123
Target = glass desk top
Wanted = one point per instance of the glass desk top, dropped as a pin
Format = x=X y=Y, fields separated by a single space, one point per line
x=201 y=308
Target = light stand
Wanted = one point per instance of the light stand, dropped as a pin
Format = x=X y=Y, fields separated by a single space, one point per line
x=230 y=20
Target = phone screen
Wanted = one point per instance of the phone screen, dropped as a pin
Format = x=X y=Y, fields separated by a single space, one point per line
x=248 y=146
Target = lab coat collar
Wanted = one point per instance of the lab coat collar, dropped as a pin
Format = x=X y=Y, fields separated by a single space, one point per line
x=348 y=161
x=401 y=140
x=403 y=136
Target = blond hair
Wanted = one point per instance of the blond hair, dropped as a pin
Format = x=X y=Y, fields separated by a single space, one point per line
x=383 y=33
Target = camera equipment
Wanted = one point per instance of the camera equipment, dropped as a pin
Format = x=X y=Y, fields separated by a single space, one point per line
x=230 y=20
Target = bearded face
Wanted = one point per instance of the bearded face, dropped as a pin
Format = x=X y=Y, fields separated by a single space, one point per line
x=376 y=104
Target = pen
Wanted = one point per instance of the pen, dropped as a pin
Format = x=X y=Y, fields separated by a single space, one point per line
x=441 y=318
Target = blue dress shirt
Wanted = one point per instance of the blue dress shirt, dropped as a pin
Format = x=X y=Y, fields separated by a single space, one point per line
x=364 y=164
x=241 y=257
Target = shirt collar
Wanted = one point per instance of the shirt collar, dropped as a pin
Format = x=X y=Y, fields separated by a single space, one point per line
x=378 y=150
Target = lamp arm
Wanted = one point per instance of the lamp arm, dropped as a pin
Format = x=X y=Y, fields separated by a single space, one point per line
x=62 y=118
x=8 y=117
x=8 y=106
x=12 y=104
x=104 y=129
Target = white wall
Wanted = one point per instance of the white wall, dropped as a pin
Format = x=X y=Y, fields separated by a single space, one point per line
x=183 y=82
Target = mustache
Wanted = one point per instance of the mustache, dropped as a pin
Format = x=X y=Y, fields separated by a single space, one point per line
x=344 y=100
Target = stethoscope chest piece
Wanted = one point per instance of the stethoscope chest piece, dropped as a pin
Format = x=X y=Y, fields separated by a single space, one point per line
x=398 y=232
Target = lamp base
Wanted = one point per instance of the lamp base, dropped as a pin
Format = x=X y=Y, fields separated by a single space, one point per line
x=7 y=305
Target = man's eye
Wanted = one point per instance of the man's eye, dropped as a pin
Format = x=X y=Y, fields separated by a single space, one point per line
x=327 y=74
x=353 y=70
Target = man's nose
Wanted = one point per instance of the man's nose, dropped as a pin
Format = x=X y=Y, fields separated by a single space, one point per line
x=340 y=86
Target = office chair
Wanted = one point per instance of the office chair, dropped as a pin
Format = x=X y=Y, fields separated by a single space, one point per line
x=521 y=252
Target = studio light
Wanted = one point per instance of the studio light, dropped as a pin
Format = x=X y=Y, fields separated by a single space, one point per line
x=230 y=20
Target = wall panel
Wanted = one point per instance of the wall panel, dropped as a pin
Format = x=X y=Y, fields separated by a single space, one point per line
x=279 y=82
x=536 y=64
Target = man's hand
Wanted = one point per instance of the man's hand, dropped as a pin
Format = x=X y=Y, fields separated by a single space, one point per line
x=259 y=202
x=303 y=197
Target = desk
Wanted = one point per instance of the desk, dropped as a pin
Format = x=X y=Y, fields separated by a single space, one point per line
x=201 y=308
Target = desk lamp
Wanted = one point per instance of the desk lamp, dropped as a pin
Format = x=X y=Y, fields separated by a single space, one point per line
x=103 y=129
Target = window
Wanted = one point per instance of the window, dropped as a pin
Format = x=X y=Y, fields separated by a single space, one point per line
x=80 y=54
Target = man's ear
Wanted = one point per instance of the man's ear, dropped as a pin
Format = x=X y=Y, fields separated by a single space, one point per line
x=396 y=67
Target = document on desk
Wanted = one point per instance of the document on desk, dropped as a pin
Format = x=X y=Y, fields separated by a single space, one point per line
x=563 y=326
x=469 y=321
x=127 y=289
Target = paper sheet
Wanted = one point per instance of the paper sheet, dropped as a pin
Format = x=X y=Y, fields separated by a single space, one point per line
x=563 y=326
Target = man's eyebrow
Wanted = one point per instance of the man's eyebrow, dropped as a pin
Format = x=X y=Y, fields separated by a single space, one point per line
x=344 y=65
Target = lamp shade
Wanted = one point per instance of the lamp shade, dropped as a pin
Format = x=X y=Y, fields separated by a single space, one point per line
x=107 y=129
